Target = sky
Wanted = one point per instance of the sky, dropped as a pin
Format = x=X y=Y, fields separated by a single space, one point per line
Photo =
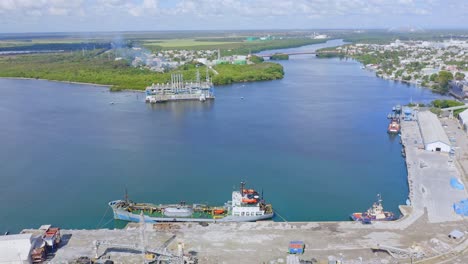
x=155 y=15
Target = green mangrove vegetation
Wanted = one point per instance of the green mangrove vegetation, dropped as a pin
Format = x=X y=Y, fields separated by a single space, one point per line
x=231 y=73
x=102 y=68
x=439 y=104
x=279 y=56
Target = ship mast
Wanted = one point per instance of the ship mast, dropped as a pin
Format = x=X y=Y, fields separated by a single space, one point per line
x=242 y=188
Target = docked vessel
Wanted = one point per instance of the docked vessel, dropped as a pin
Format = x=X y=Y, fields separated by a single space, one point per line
x=393 y=127
x=247 y=205
x=398 y=109
x=375 y=213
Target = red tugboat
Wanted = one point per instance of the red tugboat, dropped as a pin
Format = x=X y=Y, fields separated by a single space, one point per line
x=375 y=213
x=394 y=127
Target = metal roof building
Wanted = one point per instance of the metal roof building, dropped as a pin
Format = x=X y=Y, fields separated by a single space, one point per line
x=463 y=117
x=16 y=249
x=432 y=132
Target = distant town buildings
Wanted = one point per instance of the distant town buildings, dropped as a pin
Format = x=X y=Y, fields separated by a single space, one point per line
x=165 y=60
x=413 y=61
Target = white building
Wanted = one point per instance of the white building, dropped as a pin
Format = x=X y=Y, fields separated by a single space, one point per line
x=432 y=132
x=16 y=249
x=463 y=118
x=321 y=37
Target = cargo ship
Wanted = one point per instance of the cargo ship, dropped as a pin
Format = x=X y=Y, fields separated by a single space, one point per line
x=375 y=213
x=393 y=127
x=247 y=205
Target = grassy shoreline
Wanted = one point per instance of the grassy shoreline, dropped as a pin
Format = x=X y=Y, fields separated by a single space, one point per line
x=69 y=82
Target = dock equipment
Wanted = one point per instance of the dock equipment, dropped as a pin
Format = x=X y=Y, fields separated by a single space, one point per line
x=400 y=253
x=296 y=247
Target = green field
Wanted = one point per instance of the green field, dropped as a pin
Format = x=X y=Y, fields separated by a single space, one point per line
x=29 y=42
x=229 y=47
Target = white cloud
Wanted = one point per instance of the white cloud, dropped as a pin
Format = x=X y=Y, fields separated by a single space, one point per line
x=232 y=13
x=41 y=7
x=223 y=7
x=148 y=7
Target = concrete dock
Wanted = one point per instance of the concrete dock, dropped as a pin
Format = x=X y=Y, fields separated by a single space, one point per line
x=421 y=236
x=429 y=176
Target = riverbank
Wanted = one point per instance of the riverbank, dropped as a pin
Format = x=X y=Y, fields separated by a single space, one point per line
x=83 y=83
x=427 y=64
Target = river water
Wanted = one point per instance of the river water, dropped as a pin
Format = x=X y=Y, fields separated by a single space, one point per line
x=315 y=142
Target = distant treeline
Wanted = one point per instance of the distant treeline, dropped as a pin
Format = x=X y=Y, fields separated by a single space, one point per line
x=58 y=46
x=230 y=39
x=279 y=56
x=383 y=37
x=243 y=48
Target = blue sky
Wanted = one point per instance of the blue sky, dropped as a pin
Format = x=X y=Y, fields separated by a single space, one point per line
x=119 y=15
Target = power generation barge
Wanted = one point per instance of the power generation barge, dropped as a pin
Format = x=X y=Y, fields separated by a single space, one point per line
x=178 y=90
x=247 y=205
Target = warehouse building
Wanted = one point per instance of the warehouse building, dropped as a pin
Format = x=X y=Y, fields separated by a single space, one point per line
x=463 y=118
x=16 y=249
x=432 y=132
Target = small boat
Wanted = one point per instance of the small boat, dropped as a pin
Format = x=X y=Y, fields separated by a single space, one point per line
x=219 y=211
x=393 y=127
x=389 y=116
x=398 y=109
x=375 y=213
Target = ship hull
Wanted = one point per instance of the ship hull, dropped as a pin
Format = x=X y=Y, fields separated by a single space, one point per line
x=361 y=217
x=131 y=217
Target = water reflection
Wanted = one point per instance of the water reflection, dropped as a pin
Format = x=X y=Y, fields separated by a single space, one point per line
x=180 y=107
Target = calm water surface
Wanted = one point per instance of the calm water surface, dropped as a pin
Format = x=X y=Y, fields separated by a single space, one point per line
x=315 y=142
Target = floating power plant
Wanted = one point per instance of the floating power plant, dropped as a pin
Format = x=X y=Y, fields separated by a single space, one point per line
x=178 y=90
